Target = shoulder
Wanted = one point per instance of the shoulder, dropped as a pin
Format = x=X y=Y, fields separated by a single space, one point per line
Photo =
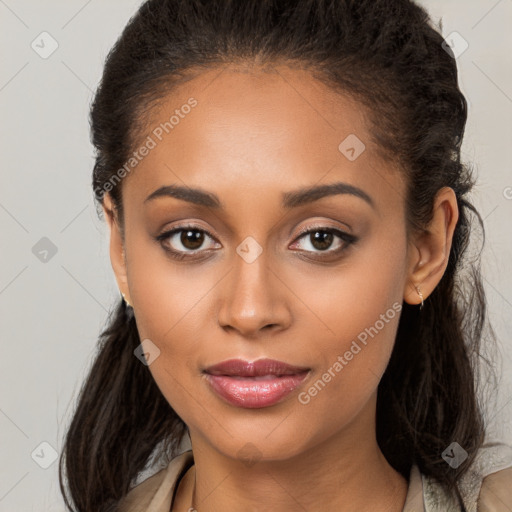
x=494 y=467
x=496 y=491
x=485 y=487
x=154 y=494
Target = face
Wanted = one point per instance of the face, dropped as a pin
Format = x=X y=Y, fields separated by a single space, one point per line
x=256 y=272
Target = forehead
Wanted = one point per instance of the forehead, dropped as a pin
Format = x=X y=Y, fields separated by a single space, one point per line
x=232 y=129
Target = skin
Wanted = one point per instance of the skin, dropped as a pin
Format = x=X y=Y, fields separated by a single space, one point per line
x=253 y=136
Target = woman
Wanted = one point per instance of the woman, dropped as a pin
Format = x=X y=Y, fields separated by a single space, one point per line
x=288 y=220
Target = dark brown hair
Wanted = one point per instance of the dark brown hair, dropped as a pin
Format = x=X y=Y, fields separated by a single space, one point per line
x=386 y=54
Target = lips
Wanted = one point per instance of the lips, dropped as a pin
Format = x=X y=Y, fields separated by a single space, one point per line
x=261 y=367
x=253 y=385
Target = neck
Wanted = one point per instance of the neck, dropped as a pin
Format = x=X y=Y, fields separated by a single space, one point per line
x=347 y=472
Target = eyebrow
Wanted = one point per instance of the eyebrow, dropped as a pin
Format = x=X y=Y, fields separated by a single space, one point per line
x=291 y=199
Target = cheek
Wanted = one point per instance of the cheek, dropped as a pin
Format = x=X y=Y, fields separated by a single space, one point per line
x=340 y=302
x=353 y=357
x=167 y=294
x=172 y=310
x=342 y=388
x=359 y=308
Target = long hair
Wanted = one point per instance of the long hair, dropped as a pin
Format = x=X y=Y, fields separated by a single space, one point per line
x=389 y=56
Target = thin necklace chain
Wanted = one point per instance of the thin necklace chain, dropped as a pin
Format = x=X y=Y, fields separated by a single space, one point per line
x=192 y=508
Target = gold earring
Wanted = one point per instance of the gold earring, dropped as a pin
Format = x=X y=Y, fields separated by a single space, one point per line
x=126 y=300
x=421 y=296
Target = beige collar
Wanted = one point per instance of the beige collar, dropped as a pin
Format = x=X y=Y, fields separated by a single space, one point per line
x=157 y=493
x=413 y=501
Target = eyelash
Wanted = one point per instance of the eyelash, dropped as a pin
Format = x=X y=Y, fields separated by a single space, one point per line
x=178 y=255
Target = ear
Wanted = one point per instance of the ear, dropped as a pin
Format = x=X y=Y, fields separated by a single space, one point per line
x=117 y=253
x=429 y=251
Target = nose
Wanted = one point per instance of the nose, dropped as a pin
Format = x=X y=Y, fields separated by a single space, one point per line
x=254 y=301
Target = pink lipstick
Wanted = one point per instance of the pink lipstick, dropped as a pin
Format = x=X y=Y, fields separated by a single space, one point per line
x=261 y=383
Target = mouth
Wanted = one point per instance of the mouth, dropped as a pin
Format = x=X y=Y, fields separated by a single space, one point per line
x=261 y=383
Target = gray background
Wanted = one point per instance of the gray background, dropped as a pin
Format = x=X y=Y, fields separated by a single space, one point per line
x=52 y=311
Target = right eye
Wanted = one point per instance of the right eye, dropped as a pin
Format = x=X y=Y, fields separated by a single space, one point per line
x=183 y=241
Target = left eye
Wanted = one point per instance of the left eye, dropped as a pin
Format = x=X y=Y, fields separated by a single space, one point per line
x=321 y=239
